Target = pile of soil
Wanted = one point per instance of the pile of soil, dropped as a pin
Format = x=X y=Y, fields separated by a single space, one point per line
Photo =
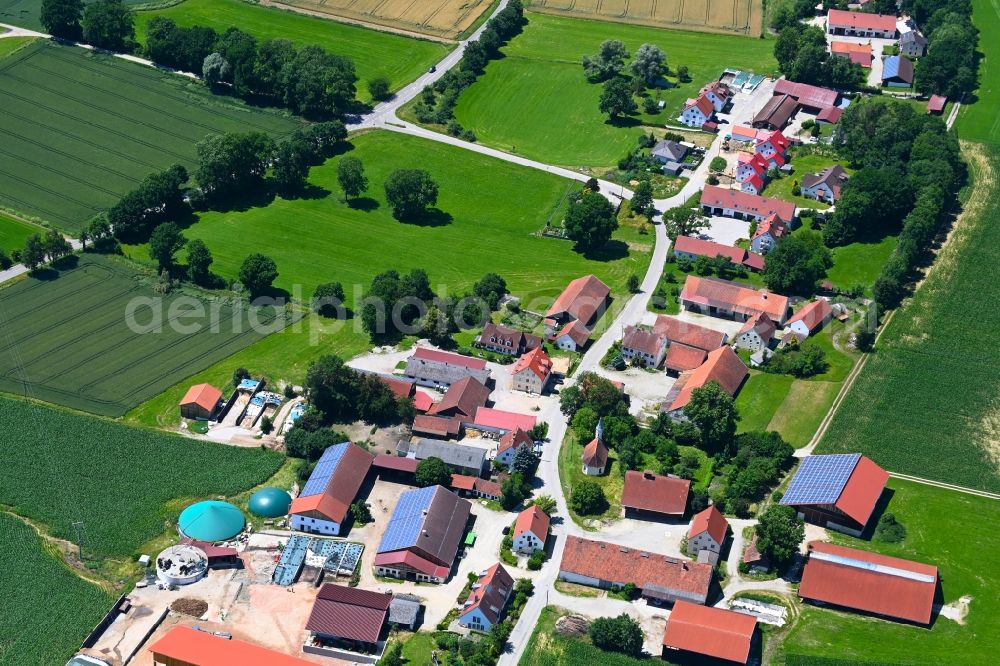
x=188 y=606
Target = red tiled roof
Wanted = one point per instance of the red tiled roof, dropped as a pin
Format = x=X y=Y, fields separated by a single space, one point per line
x=714 y=632
x=487 y=487
x=396 y=463
x=595 y=454
x=347 y=612
x=422 y=400
x=205 y=396
x=581 y=299
x=859 y=53
x=708 y=248
x=653 y=492
x=536 y=360
x=408 y=558
x=611 y=562
x=862 y=490
x=435 y=425
x=756 y=181
x=428 y=354
x=862 y=20
x=830 y=114
x=399 y=387
x=776 y=111
x=681 y=358
x=751 y=555
x=703 y=103
x=718 y=87
x=743 y=133
x=576 y=331
x=775 y=137
x=723 y=367
x=772 y=224
x=462 y=482
x=936 y=103
x=720 y=197
x=513 y=439
x=490 y=594
x=532 y=520
x=712 y=521
x=643 y=341
x=497 y=418
x=190 y=646
x=686 y=333
x=869 y=582
x=334 y=502
x=805 y=94
x=813 y=314
x=462 y=398
x=754 y=160
x=731 y=296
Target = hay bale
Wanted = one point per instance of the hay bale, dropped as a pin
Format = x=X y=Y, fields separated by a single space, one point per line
x=188 y=606
x=574 y=626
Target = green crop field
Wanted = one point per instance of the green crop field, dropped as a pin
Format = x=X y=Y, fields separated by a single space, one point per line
x=537 y=102
x=45 y=610
x=13 y=233
x=399 y=59
x=926 y=402
x=80 y=129
x=25 y=13
x=929 y=515
x=126 y=484
x=68 y=339
x=9 y=45
x=979 y=121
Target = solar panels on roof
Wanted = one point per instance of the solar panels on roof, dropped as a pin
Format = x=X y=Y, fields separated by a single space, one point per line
x=407 y=520
x=821 y=479
x=325 y=468
x=872 y=566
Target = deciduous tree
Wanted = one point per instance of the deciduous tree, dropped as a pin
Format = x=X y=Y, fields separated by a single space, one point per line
x=432 y=472
x=409 y=192
x=257 y=273
x=164 y=243
x=61 y=18
x=351 y=176
x=590 y=221
x=108 y=24
x=616 y=98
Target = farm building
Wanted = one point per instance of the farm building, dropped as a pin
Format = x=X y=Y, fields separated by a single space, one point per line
x=646 y=494
x=742 y=206
x=860 y=54
x=532 y=372
x=768 y=234
x=508 y=341
x=936 y=104
x=211 y=521
x=825 y=185
x=912 y=43
x=404 y=611
x=436 y=426
x=829 y=116
x=184 y=646
x=326 y=498
x=838 y=491
x=401 y=388
x=719 y=634
x=678 y=331
x=810 y=318
x=422 y=538
x=878 y=584
x=500 y=422
x=897 y=72
x=753 y=558
x=462 y=399
x=860 y=24
x=643 y=347
x=802 y=96
x=388 y=464
x=582 y=302
x=660 y=579
x=722 y=366
x=721 y=298
x=681 y=358
x=707 y=533
x=756 y=334
x=510 y=443
x=776 y=112
x=485 y=606
x=346 y=618
x=460 y=458
x=530 y=531
x=690 y=248
x=474 y=486
x=201 y=402
x=441 y=369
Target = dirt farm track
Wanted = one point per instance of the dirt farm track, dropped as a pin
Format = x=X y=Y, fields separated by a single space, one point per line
x=444 y=18
x=728 y=16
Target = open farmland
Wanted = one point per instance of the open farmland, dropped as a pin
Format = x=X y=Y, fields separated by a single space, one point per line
x=25 y=13
x=739 y=16
x=45 y=610
x=397 y=58
x=80 y=129
x=446 y=19
x=979 y=121
x=68 y=340
x=126 y=484
x=927 y=400
x=13 y=233
x=537 y=102
x=824 y=635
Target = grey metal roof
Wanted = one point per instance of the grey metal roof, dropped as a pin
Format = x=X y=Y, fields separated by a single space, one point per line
x=404 y=609
x=458 y=455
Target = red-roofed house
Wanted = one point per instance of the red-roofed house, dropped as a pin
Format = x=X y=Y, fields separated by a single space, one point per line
x=660 y=579
x=750 y=164
x=756 y=334
x=720 y=634
x=810 y=318
x=742 y=206
x=707 y=532
x=530 y=531
x=347 y=618
x=861 y=24
x=322 y=506
x=510 y=443
x=722 y=366
x=753 y=184
x=474 y=486
x=571 y=337
x=185 y=646
x=720 y=298
x=856 y=53
x=718 y=92
x=485 y=606
x=583 y=300
x=462 y=399
x=768 y=234
x=531 y=372
x=690 y=248
x=888 y=586
x=200 y=402
x=500 y=422
x=647 y=493
x=772 y=145
x=697 y=111
x=643 y=347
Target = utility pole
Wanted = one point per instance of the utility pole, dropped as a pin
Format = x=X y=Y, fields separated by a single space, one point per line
x=78 y=526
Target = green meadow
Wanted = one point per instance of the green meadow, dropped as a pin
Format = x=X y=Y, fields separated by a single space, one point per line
x=980 y=121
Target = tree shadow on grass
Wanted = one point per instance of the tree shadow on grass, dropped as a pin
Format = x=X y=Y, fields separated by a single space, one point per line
x=364 y=204
x=612 y=251
x=623 y=121
x=432 y=217
x=308 y=192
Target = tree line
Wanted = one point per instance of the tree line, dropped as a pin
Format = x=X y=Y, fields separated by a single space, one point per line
x=38 y=250
x=950 y=65
x=802 y=55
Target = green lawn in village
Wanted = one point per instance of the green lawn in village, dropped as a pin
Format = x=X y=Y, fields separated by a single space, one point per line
x=537 y=102
x=859 y=263
x=806 y=161
x=13 y=232
x=400 y=59
x=929 y=515
x=760 y=398
x=979 y=121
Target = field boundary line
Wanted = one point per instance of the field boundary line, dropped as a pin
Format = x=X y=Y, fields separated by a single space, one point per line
x=946 y=486
x=336 y=18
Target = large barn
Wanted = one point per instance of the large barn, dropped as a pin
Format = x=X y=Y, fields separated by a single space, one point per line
x=322 y=506
x=838 y=491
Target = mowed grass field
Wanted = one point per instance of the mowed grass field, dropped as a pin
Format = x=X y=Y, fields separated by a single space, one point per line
x=980 y=121
x=25 y=13
x=447 y=19
x=740 y=16
x=79 y=129
x=69 y=339
x=13 y=233
x=46 y=610
x=537 y=102
x=397 y=58
x=928 y=400
x=930 y=515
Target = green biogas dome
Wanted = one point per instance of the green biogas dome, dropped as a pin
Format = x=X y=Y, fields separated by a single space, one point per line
x=269 y=502
x=211 y=521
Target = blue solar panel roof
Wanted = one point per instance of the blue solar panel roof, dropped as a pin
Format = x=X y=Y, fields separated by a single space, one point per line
x=325 y=468
x=820 y=479
x=407 y=520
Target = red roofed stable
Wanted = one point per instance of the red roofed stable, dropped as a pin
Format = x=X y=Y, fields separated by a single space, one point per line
x=462 y=398
x=721 y=298
x=681 y=358
x=184 y=646
x=200 y=402
x=722 y=366
x=861 y=24
x=325 y=499
x=500 y=421
x=741 y=205
x=690 y=247
x=391 y=463
x=830 y=115
x=865 y=581
x=838 y=491
x=645 y=492
x=576 y=309
x=936 y=104
x=436 y=426
x=811 y=317
x=346 y=615
x=683 y=332
x=711 y=632
x=812 y=97
x=428 y=354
